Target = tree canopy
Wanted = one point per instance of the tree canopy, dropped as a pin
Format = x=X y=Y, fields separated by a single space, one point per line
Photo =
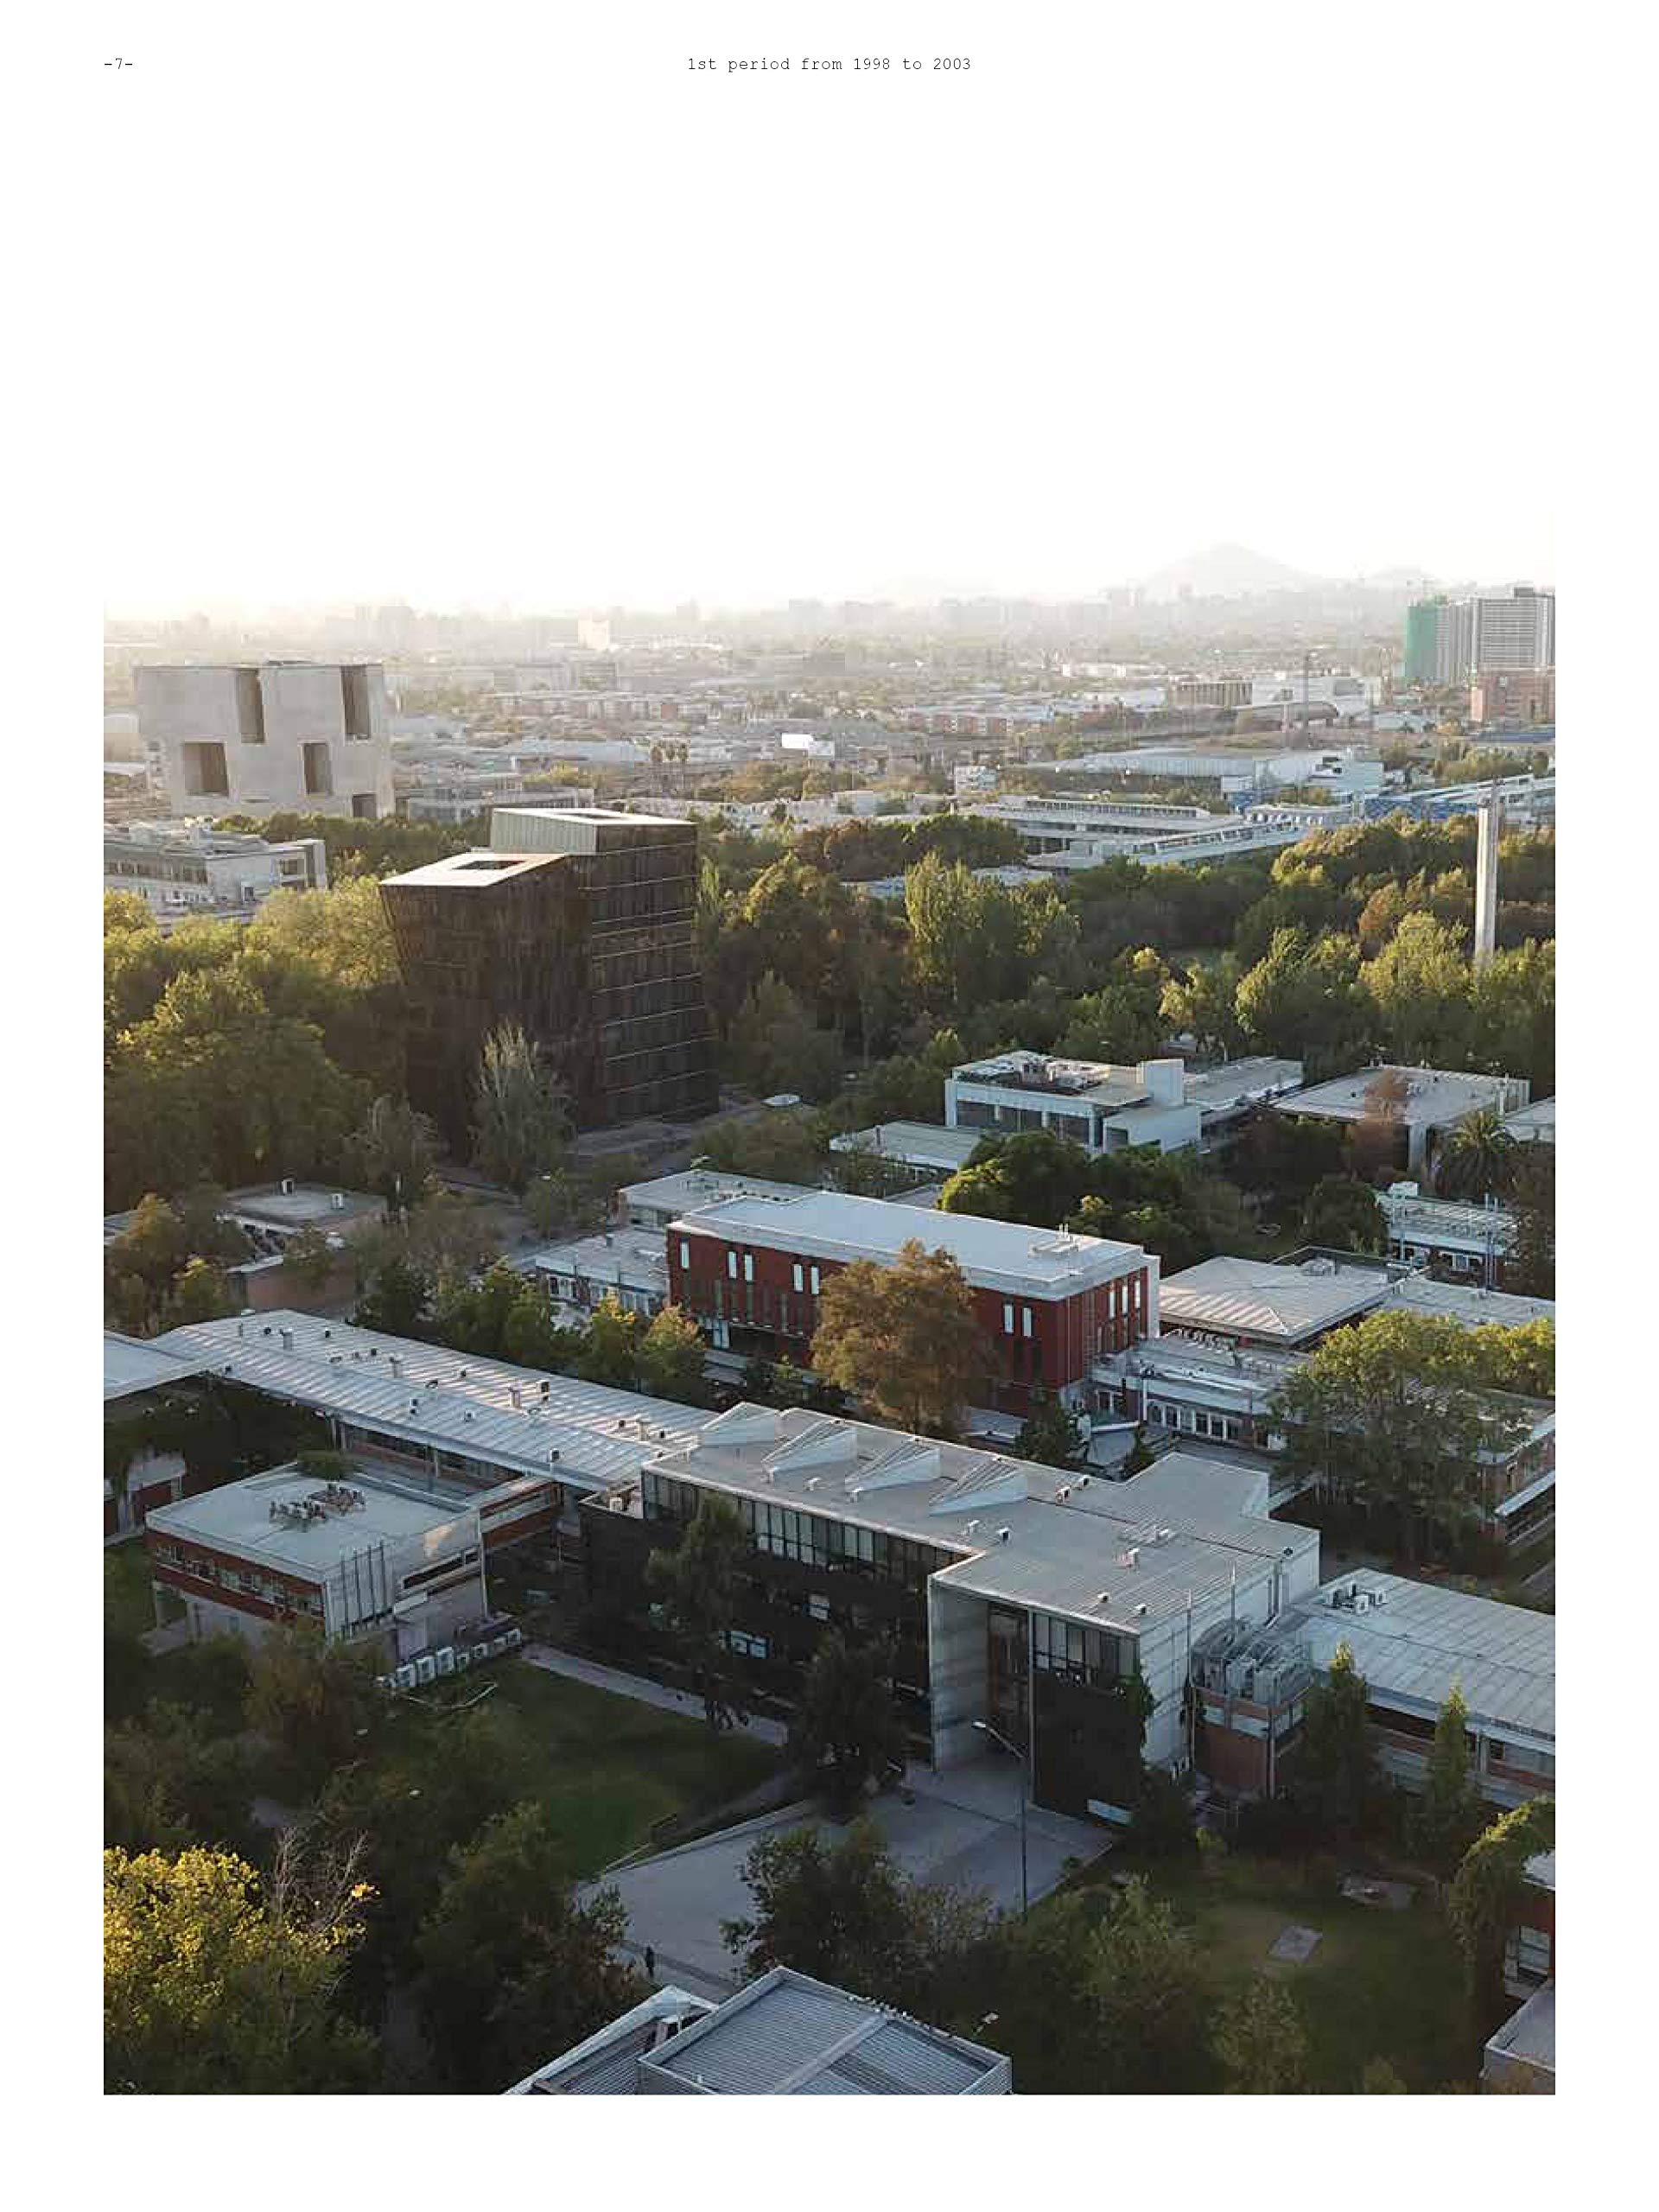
x=902 y=1338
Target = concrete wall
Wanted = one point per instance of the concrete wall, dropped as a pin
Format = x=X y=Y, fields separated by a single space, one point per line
x=301 y=704
x=957 y=1673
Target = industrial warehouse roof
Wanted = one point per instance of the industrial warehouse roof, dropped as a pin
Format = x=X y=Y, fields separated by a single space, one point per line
x=1434 y=1097
x=1264 y=1298
x=1423 y=1639
x=348 y=1516
x=436 y=1396
x=915 y=1144
x=1118 y=1554
x=130 y=1365
x=997 y=1255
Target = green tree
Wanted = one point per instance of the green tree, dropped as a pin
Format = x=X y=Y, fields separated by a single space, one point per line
x=610 y=1352
x=672 y=1358
x=201 y=1293
x=1512 y=1015
x=1449 y=1814
x=1204 y=1005
x=697 y=1584
x=171 y=1781
x=316 y=1700
x=776 y=1047
x=394 y=1151
x=1531 y=1266
x=902 y=1338
x=1477 y=1160
x=1336 y=1769
x=512 y=1969
x=1051 y=1433
x=1380 y=2079
x=1485 y=1896
x=310 y=1259
x=1419 y=984
x=847 y=1721
x=1302 y=1000
x=519 y=1119
x=1344 y=1214
x=1260 y=2041
x=396 y=1300
x=1151 y=1998
x=845 y=1913
x=219 y=1981
x=1034 y=1177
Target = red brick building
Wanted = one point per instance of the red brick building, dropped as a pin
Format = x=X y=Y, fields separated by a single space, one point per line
x=1048 y=1304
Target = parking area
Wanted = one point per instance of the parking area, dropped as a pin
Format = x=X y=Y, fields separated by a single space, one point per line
x=960 y=1829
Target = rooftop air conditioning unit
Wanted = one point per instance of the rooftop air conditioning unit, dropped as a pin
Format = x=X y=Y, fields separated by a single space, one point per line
x=403 y=1677
x=426 y=1668
x=288 y=1186
x=447 y=1660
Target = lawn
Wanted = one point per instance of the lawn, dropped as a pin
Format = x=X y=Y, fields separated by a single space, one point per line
x=609 y=1767
x=1380 y=1985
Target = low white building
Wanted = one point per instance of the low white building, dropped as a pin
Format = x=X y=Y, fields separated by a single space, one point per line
x=664 y=1199
x=1423 y=1105
x=181 y=869
x=628 y=1264
x=1102 y=1107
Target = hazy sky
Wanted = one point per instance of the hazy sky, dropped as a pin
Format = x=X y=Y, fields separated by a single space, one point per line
x=496 y=312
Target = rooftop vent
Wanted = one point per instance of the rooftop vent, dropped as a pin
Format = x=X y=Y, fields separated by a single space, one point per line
x=1002 y=1535
x=1102 y=1597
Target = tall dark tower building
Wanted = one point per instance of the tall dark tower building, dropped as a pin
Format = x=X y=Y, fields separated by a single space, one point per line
x=579 y=925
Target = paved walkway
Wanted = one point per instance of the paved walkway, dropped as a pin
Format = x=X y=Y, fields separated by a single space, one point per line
x=636 y=1685
x=960 y=1829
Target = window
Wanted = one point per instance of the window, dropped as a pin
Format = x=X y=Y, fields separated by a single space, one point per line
x=318 y=770
x=749 y=1267
x=815 y=1281
x=685 y=1253
x=797 y=1273
x=1025 y=1322
x=731 y=1265
x=1008 y=1320
x=818 y=1607
x=746 y=1646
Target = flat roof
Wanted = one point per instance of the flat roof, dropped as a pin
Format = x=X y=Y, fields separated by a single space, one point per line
x=1434 y=1096
x=1001 y=1255
x=1266 y=1299
x=916 y=1144
x=475 y=870
x=788 y=2035
x=1051 y=1075
x=606 y=2064
x=1537 y=1120
x=306 y=1202
x=1527 y=2038
x=1070 y=1535
x=449 y=1399
x=696 y=1187
x=131 y=1365
x=238 y=1517
x=1468 y=1303
x=1425 y=1637
x=1213 y=1090
x=633 y=1256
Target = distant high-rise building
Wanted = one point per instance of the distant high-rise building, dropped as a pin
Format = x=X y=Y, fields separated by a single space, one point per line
x=301 y=737
x=1517 y=631
x=1449 y=640
x=580 y=927
x=1437 y=641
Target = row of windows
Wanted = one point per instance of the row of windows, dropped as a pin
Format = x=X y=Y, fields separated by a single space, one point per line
x=808 y=1538
x=1008 y=1320
x=1221 y=1428
x=1085 y=1655
x=245 y=1581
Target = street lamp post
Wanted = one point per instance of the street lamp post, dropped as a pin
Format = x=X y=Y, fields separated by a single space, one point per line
x=1015 y=1752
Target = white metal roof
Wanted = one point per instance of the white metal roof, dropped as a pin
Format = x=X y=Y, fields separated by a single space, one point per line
x=1425 y=1638
x=131 y=1365
x=441 y=1397
x=629 y=1258
x=1263 y=1298
x=699 y=1187
x=1468 y=1303
x=999 y=1255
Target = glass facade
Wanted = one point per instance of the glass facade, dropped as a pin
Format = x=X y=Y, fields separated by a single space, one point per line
x=810 y=1539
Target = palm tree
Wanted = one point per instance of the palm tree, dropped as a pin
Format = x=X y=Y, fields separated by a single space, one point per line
x=1479 y=1157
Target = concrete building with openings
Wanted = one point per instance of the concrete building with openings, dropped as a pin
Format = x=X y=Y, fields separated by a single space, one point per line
x=578 y=926
x=301 y=737
x=1048 y=1303
x=1096 y=1105
x=1009 y=1592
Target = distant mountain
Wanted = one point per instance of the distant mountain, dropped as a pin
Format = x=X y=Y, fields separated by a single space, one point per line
x=1225 y=572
